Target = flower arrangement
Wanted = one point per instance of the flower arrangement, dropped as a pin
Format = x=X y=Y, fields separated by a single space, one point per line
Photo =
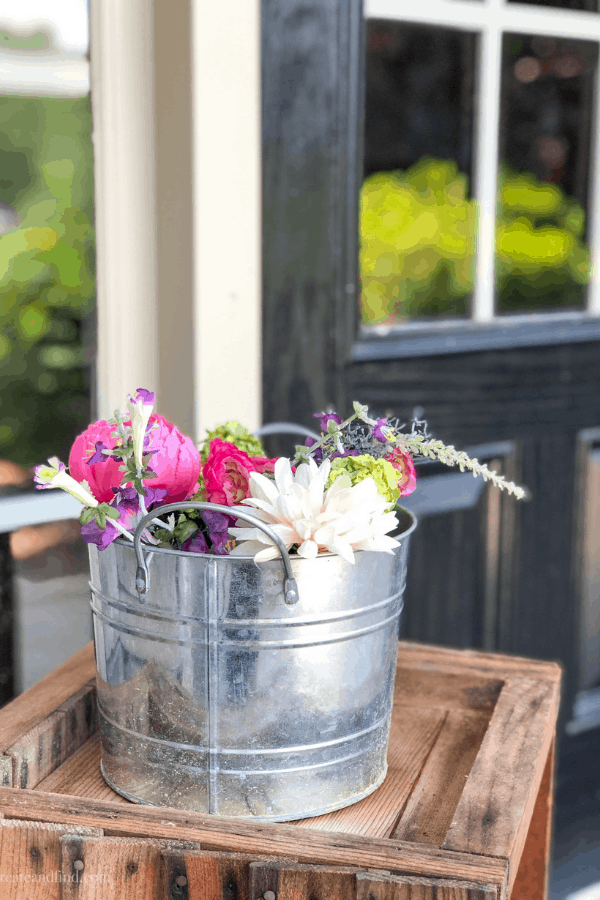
x=337 y=494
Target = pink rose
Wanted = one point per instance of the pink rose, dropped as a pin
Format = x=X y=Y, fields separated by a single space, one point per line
x=227 y=472
x=403 y=463
x=176 y=462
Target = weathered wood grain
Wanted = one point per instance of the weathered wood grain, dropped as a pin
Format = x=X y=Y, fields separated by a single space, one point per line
x=45 y=746
x=6 y=771
x=493 y=814
x=300 y=882
x=255 y=838
x=464 y=690
x=112 y=867
x=434 y=799
x=30 y=858
x=412 y=733
x=373 y=886
x=80 y=775
x=473 y=663
x=34 y=705
x=203 y=874
x=532 y=878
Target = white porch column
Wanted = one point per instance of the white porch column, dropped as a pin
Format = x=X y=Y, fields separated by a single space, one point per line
x=176 y=107
x=227 y=203
x=125 y=196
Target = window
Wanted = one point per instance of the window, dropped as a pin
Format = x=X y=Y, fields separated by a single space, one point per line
x=478 y=206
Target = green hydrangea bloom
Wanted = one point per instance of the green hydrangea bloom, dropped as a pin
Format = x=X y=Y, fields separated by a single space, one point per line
x=236 y=434
x=358 y=468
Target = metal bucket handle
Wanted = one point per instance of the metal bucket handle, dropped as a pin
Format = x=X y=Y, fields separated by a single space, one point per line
x=290 y=588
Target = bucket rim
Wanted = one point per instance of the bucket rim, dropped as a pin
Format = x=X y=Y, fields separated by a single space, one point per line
x=399 y=537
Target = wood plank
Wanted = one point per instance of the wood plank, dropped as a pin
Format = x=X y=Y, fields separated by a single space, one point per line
x=80 y=711
x=373 y=886
x=255 y=838
x=34 y=705
x=39 y=751
x=30 y=858
x=80 y=775
x=207 y=875
x=118 y=867
x=445 y=660
x=495 y=809
x=532 y=878
x=288 y=881
x=6 y=771
x=433 y=801
x=454 y=690
x=412 y=734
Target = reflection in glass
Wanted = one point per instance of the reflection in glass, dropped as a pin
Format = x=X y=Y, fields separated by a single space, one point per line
x=417 y=221
x=582 y=5
x=542 y=257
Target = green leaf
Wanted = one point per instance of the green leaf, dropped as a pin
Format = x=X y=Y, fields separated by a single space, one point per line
x=87 y=515
x=185 y=530
x=100 y=519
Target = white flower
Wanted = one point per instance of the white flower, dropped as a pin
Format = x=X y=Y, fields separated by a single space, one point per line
x=55 y=475
x=140 y=409
x=299 y=509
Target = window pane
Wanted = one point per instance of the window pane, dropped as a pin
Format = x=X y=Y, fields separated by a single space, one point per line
x=584 y=5
x=542 y=257
x=417 y=218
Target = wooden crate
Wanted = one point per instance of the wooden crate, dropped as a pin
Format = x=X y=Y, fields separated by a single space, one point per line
x=464 y=812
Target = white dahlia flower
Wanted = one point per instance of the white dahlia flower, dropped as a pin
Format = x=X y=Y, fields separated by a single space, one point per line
x=299 y=509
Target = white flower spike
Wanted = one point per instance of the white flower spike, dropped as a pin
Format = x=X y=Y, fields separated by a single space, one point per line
x=55 y=475
x=140 y=409
x=340 y=520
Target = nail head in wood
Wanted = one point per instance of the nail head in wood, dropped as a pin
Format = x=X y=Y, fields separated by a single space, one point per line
x=181 y=881
x=269 y=895
x=78 y=864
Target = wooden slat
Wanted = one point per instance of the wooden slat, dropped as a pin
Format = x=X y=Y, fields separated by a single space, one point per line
x=531 y=881
x=80 y=775
x=454 y=690
x=297 y=882
x=30 y=858
x=6 y=771
x=255 y=838
x=44 y=747
x=495 y=809
x=112 y=867
x=432 y=803
x=371 y=886
x=474 y=662
x=412 y=735
x=207 y=875
x=33 y=706
x=80 y=714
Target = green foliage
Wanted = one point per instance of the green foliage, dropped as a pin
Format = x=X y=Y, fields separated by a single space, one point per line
x=47 y=283
x=236 y=434
x=417 y=231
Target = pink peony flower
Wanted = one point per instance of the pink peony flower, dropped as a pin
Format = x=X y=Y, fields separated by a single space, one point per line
x=403 y=463
x=227 y=472
x=175 y=460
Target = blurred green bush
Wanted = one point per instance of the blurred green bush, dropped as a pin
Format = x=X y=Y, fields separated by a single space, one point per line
x=417 y=234
x=47 y=283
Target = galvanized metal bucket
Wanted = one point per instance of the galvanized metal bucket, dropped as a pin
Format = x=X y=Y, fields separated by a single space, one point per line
x=218 y=694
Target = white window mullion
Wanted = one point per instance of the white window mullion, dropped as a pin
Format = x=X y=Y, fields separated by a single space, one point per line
x=593 y=230
x=486 y=161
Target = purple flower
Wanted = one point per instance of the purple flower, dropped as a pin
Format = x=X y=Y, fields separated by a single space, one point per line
x=218 y=530
x=98 y=456
x=196 y=544
x=338 y=455
x=324 y=418
x=147 y=397
x=378 y=430
x=318 y=454
x=101 y=537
